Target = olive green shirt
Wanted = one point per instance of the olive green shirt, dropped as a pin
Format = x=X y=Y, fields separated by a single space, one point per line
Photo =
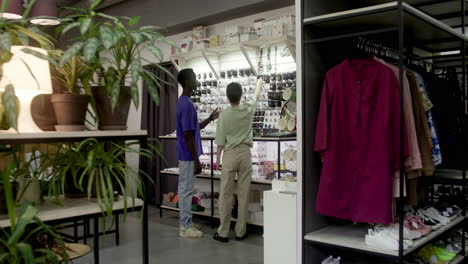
x=235 y=125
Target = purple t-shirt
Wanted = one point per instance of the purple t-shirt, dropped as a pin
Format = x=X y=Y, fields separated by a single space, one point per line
x=187 y=120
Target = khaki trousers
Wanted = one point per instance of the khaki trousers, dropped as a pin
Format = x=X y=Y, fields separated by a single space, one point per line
x=237 y=161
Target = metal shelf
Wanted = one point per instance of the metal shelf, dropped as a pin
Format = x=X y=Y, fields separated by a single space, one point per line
x=352 y=237
x=71 y=208
x=207 y=176
x=55 y=136
x=425 y=31
x=207 y=214
x=266 y=139
x=458 y=260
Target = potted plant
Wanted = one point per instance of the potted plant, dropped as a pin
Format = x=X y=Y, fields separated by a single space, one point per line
x=114 y=50
x=100 y=170
x=71 y=101
x=16 y=33
x=23 y=243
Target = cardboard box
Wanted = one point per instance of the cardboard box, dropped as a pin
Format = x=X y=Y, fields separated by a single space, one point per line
x=254 y=196
x=215 y=41
x=267 y=30
x=233 y=39
x=279 y=30
x=248 y=36
x=201 y=44
x=255 y=207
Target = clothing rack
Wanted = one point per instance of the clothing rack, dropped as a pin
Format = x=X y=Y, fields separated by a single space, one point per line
x=396 y=27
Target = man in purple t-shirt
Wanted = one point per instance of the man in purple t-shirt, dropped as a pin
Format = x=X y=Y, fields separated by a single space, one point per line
x=189 y=149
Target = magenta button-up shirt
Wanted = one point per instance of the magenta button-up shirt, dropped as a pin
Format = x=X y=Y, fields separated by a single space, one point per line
x=358 y=137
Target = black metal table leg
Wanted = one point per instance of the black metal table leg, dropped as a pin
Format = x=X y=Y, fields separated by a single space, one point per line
x=96 y=240
x=75 y=231
x=146 y=184
x=117 y=230
x=85 y=230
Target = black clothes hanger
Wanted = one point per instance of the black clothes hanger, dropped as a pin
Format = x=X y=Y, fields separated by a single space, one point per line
x=358 y=51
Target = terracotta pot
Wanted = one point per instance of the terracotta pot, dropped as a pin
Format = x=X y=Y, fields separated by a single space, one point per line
x=43 y=112
x=108 y=119
x=70 y=110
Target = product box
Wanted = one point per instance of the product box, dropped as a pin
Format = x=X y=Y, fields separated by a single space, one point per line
x=258 y=27
x=267 y=30
x=232 y=39
x=215 y=41
x=234 y=30
x=186 y=44
x=199 y=33
x=279 y=30
x=201 y=44
x=248 y=36
x=290 y=22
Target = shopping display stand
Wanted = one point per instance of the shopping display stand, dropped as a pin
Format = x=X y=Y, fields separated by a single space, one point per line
x=211 y=176
x=81 y=209
x=404 y=26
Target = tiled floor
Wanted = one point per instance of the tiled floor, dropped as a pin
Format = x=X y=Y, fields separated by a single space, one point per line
x=167 y=247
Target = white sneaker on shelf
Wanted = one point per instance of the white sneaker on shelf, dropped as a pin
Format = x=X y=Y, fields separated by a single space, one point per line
x=385 y=240
x=428 y=220
x=433 y=213
x=190 y=232
x=394 y=232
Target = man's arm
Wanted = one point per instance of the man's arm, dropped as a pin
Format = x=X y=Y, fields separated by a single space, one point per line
x=190 y=141
x=218 y=156
x=258 y=90
x=212 y=117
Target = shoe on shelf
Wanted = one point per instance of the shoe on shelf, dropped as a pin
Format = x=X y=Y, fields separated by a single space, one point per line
x=216 y=236
x=242 y=237
x=415 y=223
x=434 y=214
x=433 y=223
x=190 y=232
x=385 y=240
x=394 y=231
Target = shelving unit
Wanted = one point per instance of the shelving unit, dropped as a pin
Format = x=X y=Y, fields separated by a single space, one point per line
x=352 y=237
x=83 y=208
x=241 y=46
x=212 y=177
x=458 y=260
x=327 y=26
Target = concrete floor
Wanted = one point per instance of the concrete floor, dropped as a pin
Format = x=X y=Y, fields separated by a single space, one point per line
x=167 y=247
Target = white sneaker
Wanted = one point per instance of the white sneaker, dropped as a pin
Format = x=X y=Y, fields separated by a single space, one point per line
x=393 y=230
x=191 y=232
x=385 y=240
x=433 y=213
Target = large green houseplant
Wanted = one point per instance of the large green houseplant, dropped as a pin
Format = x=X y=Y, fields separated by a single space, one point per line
x=71 y=101
x=100 y=170
x=28 y=240
x=113 y=47
x=19 y=33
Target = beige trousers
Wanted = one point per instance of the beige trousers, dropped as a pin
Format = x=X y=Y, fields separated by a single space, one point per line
x=237 y=161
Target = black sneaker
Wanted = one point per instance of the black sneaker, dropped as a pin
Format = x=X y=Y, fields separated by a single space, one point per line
x=220 y=238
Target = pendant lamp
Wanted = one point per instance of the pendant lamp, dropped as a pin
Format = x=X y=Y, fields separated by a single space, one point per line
x=45 y=8
x=14 y=9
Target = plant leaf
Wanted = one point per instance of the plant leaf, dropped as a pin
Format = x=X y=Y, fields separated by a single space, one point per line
x=70 y=26
x=115 y=92
x=107 y=37
x=72 y=51
x=135 y=94
x=115 y=19
x=85 y=25
x=10 y=102
x=23 y=39
x=90 y=48
x=26 y=252
x=167 y=41
x=137 y=37
x=135 y=69
x=95 y=4
x=155 y=51
x=134 y=20
x=6 y=41
x=149 y=28
x=39 y=55
x=152 y=88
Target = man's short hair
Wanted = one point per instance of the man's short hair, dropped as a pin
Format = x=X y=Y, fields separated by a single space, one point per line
x=184 y=75
x=234 y=92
